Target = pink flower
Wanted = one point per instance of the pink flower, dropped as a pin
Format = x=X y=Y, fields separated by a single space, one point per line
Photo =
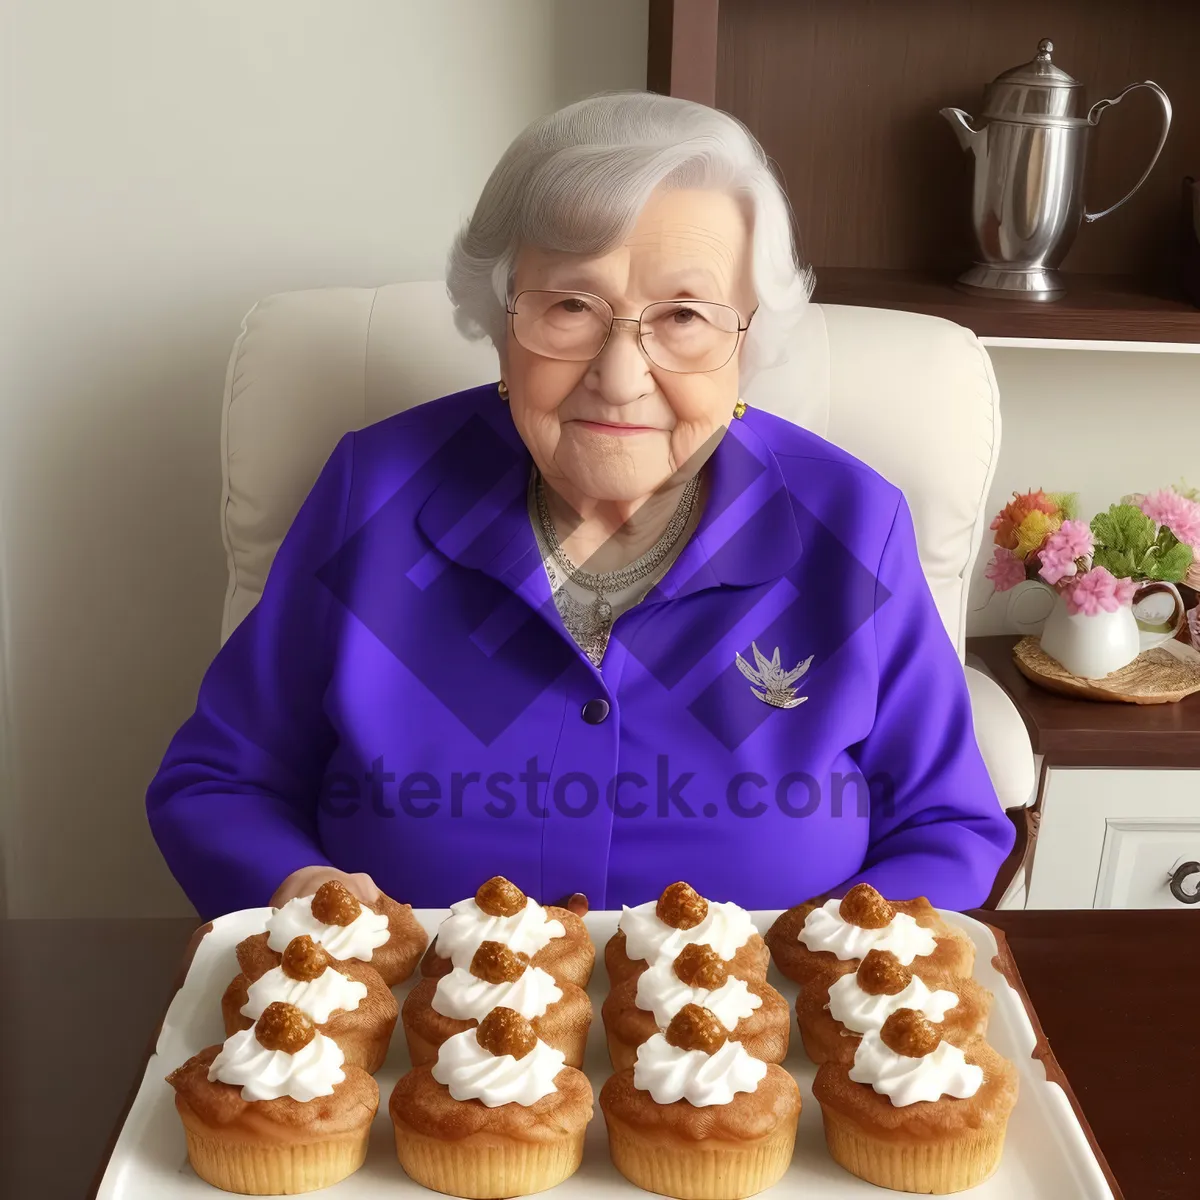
x=1071 y=540
x=1005 y=570
x=1056 y=568
x=1179 y=514
x=1124 y=591
x=1097 y=591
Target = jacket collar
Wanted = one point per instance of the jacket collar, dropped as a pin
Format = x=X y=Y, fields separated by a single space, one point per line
x=747 y=533
x=477 y=513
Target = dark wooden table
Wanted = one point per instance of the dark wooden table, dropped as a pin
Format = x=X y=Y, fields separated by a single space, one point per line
x=1073 y=732
x=1116 y=993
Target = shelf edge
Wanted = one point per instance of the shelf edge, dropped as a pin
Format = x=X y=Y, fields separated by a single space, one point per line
x=1019 y=343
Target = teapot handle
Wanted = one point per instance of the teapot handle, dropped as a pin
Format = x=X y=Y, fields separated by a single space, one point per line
x=1093 y=116
x=1029 y=604
x=1149 y=638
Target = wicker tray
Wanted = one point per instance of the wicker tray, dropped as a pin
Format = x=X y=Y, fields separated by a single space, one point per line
x=1160 y=676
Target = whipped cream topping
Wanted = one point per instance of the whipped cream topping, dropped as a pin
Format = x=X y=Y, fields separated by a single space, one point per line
x=473 y=1073
x=826 y=929
x=669 y=1073
x=463 y=997
x=906 y=1080
x=314 y=1070
x=726 y=928
x=468 y=926
x=860 y=1011
x=319 y=998
x=360 y=939
x=661 y=992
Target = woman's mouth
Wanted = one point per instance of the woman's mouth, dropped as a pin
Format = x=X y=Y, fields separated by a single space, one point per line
x=618 y=430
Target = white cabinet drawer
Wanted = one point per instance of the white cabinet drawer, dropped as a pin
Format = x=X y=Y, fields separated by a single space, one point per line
x=1108 y=838
x=1139 y=859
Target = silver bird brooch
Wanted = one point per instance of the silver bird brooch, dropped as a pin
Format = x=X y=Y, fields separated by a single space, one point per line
x=775 y=682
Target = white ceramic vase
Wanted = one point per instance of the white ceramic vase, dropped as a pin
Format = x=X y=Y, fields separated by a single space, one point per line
x=1092 y=647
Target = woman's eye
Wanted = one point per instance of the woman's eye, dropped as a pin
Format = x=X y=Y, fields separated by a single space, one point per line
x=574 y=305
x=686 y=316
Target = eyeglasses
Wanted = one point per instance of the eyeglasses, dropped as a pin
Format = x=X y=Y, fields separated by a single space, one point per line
x=682 y=336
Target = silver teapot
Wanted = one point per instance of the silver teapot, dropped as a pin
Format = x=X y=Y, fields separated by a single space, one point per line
x=1030 y=152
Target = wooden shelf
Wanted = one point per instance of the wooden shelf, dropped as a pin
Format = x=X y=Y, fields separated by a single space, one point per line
x=1113 y=308
x=1092 y=733
x=845 y=97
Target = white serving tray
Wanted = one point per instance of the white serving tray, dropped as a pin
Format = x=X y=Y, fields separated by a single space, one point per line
x=1047 y=1153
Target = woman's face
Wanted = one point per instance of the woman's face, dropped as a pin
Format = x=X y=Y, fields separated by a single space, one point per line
x=617 y=427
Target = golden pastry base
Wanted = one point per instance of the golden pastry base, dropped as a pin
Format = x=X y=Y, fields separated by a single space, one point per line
x=1156 y=676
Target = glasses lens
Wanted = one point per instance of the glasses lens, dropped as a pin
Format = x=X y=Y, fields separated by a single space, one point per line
x=689 y=335
x=565 y=325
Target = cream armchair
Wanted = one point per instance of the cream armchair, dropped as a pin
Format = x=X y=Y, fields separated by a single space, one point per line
x=913 y=396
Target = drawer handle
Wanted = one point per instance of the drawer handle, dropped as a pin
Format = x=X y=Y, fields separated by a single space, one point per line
x=1180 y=874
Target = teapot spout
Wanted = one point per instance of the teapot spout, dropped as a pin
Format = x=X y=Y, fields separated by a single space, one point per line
x=960 y=122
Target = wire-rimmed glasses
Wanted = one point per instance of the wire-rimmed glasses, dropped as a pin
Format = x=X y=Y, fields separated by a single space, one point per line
x=682 y=336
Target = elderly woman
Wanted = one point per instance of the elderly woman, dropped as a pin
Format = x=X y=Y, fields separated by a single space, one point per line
x=598 y=626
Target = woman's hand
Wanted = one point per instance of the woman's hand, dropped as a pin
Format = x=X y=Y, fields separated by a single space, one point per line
x=305 y=882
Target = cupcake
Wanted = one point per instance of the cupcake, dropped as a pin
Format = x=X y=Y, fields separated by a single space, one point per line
x=680 y=916
x=915 y=1113
x=347 y=1001
x=697 y=1117
x=752 y=1013
x=498 y=1114
x=437 y=1009
x=384 y=934
x=831 y=938
x=275 y=1110
x=553 y=938
x=834 y=1011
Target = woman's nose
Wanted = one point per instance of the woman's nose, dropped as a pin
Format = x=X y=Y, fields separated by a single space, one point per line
x=620 y=371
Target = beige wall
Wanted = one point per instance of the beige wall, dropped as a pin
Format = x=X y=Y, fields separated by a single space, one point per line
x=162 y=167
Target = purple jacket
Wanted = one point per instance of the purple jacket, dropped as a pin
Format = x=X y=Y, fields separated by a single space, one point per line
x=405 y=701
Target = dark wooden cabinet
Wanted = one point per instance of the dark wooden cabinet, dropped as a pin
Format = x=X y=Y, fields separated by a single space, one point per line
x=844 y=96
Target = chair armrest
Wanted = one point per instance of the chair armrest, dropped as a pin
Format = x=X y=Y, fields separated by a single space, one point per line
x=1003 y=740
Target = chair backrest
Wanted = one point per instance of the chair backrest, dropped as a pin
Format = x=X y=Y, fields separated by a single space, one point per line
x=912 y=396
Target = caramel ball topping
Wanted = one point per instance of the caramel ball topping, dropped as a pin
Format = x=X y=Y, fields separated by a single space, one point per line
x=494 y=962
x=284 y=1027
x=863 y=906
x=335 y=904
x=681 y=907
x=504 y=1031
x=304 y=959
x=695 y=1028
x=499 y=898
x=701 y=967
x=909 y=1033
x=881 y=974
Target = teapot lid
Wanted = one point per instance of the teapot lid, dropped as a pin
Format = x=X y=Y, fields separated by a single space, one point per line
x=1037 y=88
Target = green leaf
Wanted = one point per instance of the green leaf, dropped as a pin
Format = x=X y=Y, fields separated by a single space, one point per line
x=1120 y=563
x=1172 y=565
x=1124 y=529
x=1068 y=502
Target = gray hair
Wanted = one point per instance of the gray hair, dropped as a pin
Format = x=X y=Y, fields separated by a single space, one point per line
x=576 y=180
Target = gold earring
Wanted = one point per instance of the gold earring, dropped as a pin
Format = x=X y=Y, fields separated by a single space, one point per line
x=502 y=388
x=739 y=409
